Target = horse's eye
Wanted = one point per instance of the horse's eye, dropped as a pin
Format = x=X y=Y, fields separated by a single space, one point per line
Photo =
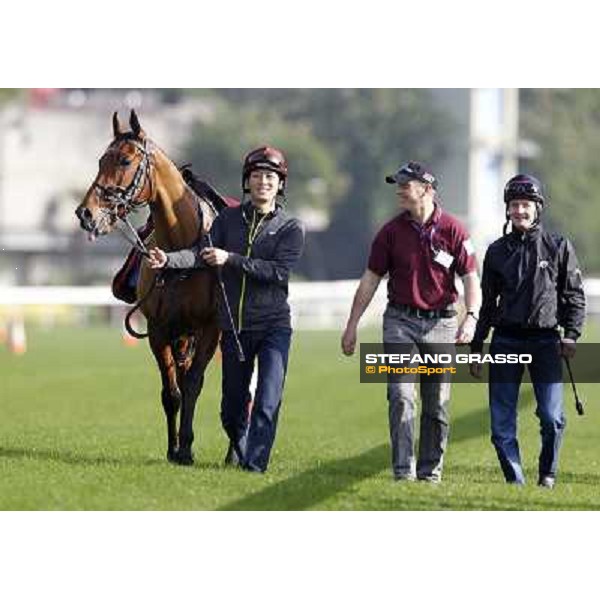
x=124 y=161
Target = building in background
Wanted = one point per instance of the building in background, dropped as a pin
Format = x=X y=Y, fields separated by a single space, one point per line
x=49 y=145
x=484 y=154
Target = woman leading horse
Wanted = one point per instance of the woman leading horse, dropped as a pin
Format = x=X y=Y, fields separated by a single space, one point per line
x=254 y=248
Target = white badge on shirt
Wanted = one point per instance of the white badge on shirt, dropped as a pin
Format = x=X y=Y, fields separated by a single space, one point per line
x=443 y=258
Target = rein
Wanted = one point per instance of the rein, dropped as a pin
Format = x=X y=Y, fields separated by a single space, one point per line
x=127 y=198
x=142 y=248
x=137 y=241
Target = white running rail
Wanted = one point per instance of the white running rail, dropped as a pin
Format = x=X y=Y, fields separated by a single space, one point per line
x=315 y=305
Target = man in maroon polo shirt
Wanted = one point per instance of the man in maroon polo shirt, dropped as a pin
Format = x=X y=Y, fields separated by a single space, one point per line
x=422 y=249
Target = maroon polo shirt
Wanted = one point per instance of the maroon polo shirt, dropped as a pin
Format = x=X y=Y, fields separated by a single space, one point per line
x=406 y=250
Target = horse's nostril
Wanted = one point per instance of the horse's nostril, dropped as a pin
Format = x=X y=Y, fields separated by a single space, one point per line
x=84 y=214
x=85 y=218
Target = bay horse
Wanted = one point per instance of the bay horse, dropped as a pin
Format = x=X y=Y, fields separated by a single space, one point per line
x=181 y=310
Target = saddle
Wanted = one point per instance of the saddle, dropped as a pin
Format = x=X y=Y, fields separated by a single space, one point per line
x=124 y=283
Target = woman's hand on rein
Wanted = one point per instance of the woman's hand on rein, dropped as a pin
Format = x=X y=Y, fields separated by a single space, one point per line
x=215 y=257
x=157 y=258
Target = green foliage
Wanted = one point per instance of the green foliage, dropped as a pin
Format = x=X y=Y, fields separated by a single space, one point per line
x=565 y=124
x=372 y=131
x=217 y=148
x=82 y=428
x=368 y=132
x=347 y=138
x=7 y=94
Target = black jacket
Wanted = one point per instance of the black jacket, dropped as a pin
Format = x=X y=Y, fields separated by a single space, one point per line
x=257 y=272
x=530 y=281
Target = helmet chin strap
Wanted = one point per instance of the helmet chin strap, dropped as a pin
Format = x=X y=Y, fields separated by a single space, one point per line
x=539 y=207
x=506 y=224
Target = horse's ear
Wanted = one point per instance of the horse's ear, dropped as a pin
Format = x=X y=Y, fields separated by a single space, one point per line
x=135 y=125
x=117 y=131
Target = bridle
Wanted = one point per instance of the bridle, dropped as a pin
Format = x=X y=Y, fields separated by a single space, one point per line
x=119 y=202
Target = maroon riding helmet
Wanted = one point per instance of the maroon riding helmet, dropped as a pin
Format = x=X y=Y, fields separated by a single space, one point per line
x=269 y=158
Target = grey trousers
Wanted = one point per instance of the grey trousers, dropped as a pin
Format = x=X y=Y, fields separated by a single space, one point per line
x=400 y=328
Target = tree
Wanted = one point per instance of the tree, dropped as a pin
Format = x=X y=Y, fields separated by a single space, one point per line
x=217 y=148
x=565 y=125
x=7 y=94
x=369 y=132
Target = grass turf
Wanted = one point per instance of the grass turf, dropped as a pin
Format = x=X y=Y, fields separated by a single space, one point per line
x=82 y=428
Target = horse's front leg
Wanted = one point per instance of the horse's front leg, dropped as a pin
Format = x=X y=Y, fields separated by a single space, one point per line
x=192 y=383
x=170 y=393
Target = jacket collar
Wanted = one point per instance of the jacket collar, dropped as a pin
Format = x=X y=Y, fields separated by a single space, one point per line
x=248 y=211
x=525 y=236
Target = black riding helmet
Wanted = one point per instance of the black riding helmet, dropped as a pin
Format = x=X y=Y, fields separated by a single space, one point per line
x=524 y=187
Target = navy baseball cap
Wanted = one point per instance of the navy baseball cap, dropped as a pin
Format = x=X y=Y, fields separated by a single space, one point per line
x=411 y=171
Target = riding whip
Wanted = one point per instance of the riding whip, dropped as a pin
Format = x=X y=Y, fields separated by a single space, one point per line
x=578 y=404
x=240 y=350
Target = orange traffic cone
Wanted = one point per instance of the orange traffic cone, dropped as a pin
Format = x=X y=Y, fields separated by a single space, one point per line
x=129 y=340
x=17 y=338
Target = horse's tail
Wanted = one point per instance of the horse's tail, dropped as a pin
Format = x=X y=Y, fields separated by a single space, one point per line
x=130 y=330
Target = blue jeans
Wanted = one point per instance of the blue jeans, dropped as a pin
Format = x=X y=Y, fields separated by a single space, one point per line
x=505 y=380
x=253 y=437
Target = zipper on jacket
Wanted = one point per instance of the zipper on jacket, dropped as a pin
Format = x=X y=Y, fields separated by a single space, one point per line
x=252 y=233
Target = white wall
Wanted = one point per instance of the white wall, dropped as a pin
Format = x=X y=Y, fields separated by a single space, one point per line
x=54 y=151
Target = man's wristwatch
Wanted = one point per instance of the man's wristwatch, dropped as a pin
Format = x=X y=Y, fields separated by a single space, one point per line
x=472 y=313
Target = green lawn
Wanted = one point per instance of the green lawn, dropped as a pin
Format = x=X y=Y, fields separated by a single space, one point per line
x=82 y=427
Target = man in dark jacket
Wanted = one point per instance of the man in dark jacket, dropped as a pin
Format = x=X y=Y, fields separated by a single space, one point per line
x=531 y=286
x=256 y=246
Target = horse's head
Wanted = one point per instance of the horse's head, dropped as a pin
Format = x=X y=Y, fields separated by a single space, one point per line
x=123 y=182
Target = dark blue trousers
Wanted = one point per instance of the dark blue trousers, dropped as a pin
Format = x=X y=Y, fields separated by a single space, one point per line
x=253 y=437
x=505 y=380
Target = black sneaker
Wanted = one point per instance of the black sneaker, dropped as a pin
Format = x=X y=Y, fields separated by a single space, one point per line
x=405 y=477
x=430 y=479
x=547 y=481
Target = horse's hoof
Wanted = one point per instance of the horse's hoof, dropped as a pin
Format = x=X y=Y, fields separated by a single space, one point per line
x=172 y=456
x=184 y=458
